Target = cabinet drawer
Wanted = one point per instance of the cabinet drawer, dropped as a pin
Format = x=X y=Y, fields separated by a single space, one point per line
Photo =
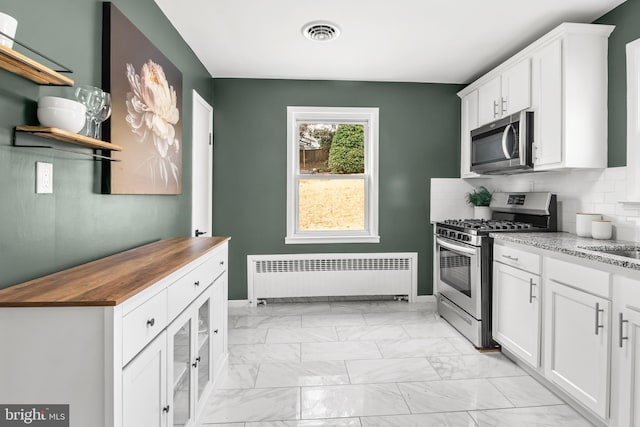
x=187 y=288
x=517 y=258
x=142 y=324
x=578 y=276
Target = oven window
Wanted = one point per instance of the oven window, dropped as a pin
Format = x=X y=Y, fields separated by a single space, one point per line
x=455 y=270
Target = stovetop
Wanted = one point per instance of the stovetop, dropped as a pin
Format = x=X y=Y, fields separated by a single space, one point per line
x=480 y=225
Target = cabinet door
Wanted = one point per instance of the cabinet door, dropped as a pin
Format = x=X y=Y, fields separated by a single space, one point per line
x=548 y=119
x=144 y=386
x=203 y=346
x=489 y=102
x=516 y=312
x=577 y=344
x=625 y=383
x=219 y=314
x=180 y=376
x=516 y=88
x=469 y=122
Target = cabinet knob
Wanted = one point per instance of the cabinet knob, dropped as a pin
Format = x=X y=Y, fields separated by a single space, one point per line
x=197 y=283
x=221 y=262
x=151 y=322
x=215 y=331
x=195 y=364
x=166 y=409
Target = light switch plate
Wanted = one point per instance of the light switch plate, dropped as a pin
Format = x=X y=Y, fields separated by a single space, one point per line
x=44 y=178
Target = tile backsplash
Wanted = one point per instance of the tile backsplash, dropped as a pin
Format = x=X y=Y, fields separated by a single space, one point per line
x=590 y=191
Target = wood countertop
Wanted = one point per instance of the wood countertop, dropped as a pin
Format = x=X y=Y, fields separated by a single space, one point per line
x=112 y=280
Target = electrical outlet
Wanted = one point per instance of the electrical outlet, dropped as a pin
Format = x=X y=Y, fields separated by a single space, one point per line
x=44 y=178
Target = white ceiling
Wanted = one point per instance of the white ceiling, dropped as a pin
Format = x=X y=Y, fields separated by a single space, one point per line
x=443 y=41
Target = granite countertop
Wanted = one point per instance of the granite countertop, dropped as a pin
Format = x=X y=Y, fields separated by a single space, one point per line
x=571 y=244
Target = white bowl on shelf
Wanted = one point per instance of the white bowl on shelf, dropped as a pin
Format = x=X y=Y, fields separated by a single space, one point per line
x=59 y=102
x=8 y=25
x=71 y=120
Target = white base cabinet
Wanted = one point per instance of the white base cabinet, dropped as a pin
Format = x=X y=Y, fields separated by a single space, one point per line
x=148 y=361
x=577 y=345
x=625 y=384
x=516 y=312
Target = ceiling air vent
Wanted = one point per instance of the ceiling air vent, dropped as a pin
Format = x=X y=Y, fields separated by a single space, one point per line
x=321 y=31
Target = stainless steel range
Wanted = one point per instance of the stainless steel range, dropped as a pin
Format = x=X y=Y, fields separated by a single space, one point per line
x=464 y=254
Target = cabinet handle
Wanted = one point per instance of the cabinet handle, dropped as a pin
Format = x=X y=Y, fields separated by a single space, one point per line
x=598 y=311
x=495 y=109
x=195 y=364
x=621 y=324
x=510 y=258
x=151 y=322
x=197 y=283
x=531 y=296
x=166 y=409
x=215 y=331
x=200 y=233
x=222 y=262
x=504 y=105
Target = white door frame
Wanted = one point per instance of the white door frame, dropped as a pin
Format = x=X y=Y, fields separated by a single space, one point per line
x=201 y=171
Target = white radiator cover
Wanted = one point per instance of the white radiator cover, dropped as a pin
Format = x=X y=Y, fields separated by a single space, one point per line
x=324 y=275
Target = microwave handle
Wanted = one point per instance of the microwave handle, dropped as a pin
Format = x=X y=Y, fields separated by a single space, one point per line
x=505 y=133
x=456 y=248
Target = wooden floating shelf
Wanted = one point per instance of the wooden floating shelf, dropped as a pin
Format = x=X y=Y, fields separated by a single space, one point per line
x=72 y=138
x=26 y=67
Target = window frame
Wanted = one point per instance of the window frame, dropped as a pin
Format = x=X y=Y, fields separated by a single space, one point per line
x=356 y=115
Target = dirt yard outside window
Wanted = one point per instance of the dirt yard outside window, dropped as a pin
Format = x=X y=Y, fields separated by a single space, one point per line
x=331 y=204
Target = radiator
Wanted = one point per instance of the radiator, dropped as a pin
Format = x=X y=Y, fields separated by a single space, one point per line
x=326 y=275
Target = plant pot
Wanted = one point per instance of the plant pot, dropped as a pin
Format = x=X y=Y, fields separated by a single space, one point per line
x=482 y=212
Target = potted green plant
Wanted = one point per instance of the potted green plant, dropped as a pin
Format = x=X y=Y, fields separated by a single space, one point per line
x=480 y=199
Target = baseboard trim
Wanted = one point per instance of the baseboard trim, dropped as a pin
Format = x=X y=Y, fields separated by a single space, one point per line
x=236 y=303
x=425 y=298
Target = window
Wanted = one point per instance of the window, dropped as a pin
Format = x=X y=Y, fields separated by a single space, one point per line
x=332 y=175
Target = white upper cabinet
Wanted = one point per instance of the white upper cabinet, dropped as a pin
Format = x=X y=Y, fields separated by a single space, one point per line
x=562 y=78
x=505 y=94
x=469 y=122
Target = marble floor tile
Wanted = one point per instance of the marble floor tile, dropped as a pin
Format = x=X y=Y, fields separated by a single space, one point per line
x=475 y=366
x=395 y=318
x=348 y=307
x=452 y=395
x=463 y=345
x=315 y=321
x=370 y=333
x=334 y=422
x=525 y=391
x=415 y=347
x=247 y=336
x=433 y=329
x=261 y=310
x=352 y=401
x=342 y=350
x=290 y=335
x=261 y=322
x=238 y=376
x=291 y=374
x=252 y=353
x=540 y=416
x=298 y=308
x=253 y=405
x=390 y=370
x=449 y=419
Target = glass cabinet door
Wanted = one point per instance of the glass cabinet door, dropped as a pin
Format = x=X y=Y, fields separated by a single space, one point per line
x=204 y=346
x=182 y=375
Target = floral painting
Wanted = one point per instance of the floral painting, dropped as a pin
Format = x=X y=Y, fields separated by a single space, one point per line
x=146 y=91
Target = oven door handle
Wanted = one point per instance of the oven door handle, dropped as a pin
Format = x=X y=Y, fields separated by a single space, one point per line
x=455 y=247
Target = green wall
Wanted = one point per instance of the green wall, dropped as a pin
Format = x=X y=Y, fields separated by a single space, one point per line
x=40 y=234
x=419 y=139
x=626 y=18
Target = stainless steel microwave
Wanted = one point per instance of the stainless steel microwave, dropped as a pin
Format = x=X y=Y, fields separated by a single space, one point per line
x=503 y=146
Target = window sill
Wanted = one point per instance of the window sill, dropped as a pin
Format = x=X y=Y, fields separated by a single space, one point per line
x=298 y=240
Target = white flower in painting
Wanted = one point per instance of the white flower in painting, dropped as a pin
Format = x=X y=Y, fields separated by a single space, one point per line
x=152 y=111
x=152 y=106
